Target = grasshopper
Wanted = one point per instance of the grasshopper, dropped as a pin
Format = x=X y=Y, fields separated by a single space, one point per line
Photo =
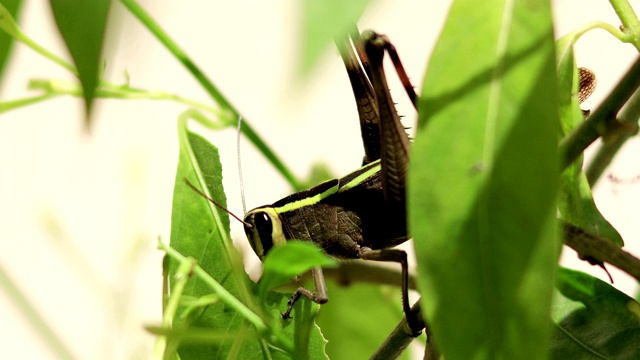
x=363 y=214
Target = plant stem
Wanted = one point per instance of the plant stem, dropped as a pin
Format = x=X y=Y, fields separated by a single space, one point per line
x=211 y=89
x=395 y=344
x=603 y=119
x=627 y=16
x=628 y=119
x=226 y=297
x=182 y=275
x=589 y=246
x=49 y=337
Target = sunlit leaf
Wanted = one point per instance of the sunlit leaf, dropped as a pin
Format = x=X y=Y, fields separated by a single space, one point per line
x=483 y=181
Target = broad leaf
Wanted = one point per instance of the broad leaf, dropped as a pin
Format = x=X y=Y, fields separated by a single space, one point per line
x=200 y=230
x=82 y=25
x=576 y=201
x=483 y=181
x=593 y=320
x=11 y=7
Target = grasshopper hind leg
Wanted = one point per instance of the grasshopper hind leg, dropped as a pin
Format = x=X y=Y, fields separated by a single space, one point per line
x=414 y=322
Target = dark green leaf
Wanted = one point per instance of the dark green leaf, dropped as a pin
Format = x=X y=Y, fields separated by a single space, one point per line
x=358 y=318
x=201 y=230
x=593 y=320
x=323 y=21
x=287 y=261
x=6 y=41
x=82 y=25
x=483 y=181
x=576 y=202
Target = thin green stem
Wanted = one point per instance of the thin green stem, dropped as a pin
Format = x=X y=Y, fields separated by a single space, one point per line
x=622 y=36
x=211 y=89
x=626 y=14
x=46 y=53
x=18 y=103
x=182 y=275
x=175 y=49
x=20 y=301
x=231 y=301
x=11 y=27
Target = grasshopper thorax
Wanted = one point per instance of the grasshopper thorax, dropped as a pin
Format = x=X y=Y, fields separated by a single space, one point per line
x=264 y=230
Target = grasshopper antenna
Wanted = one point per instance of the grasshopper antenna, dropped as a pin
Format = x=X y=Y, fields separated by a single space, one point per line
x=194 y=188
x=244 y=206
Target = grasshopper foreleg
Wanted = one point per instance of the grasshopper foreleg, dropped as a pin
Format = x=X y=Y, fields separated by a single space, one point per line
x=319 y=296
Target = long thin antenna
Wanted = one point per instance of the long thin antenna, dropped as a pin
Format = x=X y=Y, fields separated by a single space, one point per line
x=244 y=206
x=194 y=188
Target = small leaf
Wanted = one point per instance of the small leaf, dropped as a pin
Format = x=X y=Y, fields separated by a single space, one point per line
x=323 y=21
x=483 y=181
x=289 y=260
x=11 y=7
x=593 y=320
x=82 y=26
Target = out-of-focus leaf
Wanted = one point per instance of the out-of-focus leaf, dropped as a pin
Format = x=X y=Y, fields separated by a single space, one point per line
x=323 y=21
x=200 y=230
x=82 y=25
x=483 y=181
x=6 y=41
x=593 y=320
x=576 y=202
x=358 y=318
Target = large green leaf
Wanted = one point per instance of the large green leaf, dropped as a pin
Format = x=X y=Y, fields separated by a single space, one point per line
x=201 y=230
x=576 y=202
x=82 y=25
x=6 y=41
x=483 y=181
x=593 y=320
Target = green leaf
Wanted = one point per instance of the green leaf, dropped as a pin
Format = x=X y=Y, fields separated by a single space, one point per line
x=576 y=204
x=358 y=318
x=483 y=181
x=82 y=26
x=289 y=260
x=12 y=7
x=593 y=320
x=323 y=21
x=200 y=230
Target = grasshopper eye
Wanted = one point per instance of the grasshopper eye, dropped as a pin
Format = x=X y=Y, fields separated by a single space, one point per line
x=264 y=230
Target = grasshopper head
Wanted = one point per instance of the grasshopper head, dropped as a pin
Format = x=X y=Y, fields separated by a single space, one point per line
x=264 y=230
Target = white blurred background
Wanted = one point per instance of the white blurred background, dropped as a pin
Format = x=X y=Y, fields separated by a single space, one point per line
x=80 y=215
